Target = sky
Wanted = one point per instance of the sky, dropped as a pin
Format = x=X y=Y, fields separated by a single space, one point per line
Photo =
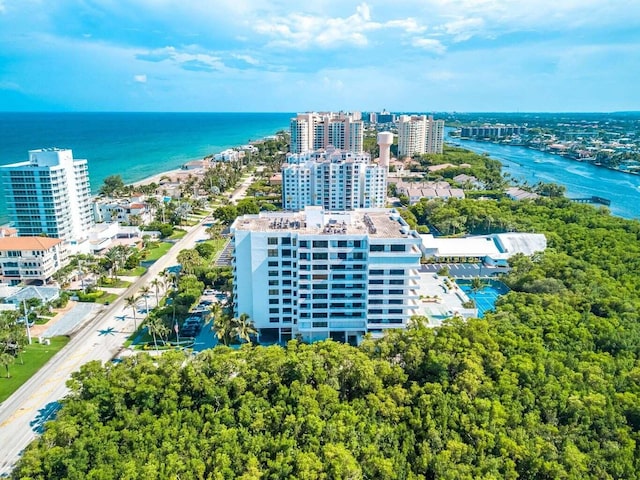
x=285 y=55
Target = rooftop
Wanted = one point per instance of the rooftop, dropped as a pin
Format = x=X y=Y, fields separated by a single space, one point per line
x=381 y=223
x=28 y=243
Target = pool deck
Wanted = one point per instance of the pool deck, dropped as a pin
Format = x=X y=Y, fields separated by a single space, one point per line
x=439 y=302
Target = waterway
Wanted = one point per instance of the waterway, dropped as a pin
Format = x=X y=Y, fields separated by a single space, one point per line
x=580 y=179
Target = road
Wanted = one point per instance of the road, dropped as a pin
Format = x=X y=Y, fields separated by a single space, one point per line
x=22 y=416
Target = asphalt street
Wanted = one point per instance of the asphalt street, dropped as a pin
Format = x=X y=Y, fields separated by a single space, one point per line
x=22 y=416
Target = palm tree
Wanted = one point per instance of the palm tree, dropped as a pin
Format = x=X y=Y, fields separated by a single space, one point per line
x=156 y=327
x=145 y=294
x=243 y=327
x=131 y=302
x=6 y=359
x=223 y=327
x=477 y=284
x=156 y=283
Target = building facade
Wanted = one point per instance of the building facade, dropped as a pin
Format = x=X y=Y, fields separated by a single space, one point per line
x=419 y=134
x=30 y=259
x=333 y=179
x=315 y=131
x=319 y=275
x=49 y=194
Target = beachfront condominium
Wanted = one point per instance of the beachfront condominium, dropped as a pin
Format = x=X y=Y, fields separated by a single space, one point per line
x=317 y=274
x=333 y=179
x=315 y=131
x=49 y=195
x=418 y=134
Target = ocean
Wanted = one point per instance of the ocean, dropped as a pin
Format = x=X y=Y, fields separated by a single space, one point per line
x=132 y=145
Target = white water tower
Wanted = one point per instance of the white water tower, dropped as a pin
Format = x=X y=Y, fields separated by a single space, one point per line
x=385 y=140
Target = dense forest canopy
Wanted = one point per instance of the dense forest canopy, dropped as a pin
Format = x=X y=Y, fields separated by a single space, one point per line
x=547 y=387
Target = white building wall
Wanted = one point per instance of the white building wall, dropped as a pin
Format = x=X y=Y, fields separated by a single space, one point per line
x=334 y=180
x=292 y=282
x=50 y=193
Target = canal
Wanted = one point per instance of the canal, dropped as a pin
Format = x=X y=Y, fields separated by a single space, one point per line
x=580 y=179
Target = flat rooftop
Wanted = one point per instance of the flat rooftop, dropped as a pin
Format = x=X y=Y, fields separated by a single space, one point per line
x=380 y=223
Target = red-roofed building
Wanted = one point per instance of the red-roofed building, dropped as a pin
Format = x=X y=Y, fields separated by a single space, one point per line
x=30 y=259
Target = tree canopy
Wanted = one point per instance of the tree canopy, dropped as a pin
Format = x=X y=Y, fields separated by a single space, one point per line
x=545 y=387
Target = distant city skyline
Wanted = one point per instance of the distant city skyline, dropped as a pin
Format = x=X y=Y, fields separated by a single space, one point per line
x=256 y=55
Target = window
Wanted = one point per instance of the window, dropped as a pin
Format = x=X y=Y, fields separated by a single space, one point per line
x=304 y=243
x=320 y=256
x=273 y=283
x=273 y=263
x=320 y=244
x=395 y=311
x=396 y=272
x=286 y=241
x=273 y=291
x=273 y=273
x=273 y=301
x=398 y=248
x=272 y=241
x=319 y=324
x=274 y=310
x=320 y=296
x=376 y=248
x=395 y=292
x=396 y=282
x=272 y=252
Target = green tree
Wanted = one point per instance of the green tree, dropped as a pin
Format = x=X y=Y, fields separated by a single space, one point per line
x=132 y=302
x=112 y=185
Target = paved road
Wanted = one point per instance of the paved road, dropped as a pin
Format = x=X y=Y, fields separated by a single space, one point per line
x=22 y=416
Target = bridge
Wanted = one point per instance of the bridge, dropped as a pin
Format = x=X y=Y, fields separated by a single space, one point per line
x=593 y=199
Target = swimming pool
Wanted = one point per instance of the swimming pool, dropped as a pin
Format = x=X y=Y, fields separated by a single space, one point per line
x=486 y=297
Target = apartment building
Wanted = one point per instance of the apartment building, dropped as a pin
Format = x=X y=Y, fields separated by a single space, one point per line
x=318 y=274
x=30 y=259
x=419 y=134
x=333 y=179
x=315 y=131
x=49 y=194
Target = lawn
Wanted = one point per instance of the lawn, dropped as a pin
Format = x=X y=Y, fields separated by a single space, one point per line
x=113 y=283
x=107 y=298
x=35 y=356
x=134 y=272
x=177 y=234
x=157 y=251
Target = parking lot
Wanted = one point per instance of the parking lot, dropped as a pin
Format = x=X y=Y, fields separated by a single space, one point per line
x=464 y=270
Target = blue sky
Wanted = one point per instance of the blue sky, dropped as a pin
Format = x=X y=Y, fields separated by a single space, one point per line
x=282 y=55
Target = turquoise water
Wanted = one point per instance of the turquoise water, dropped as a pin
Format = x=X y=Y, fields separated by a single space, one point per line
x=580 y=179
x=133 y=145
x=486 y=298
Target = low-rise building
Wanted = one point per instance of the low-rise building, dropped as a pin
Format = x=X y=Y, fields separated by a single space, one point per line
x=30 y=259
x=492 y=250
x=121 y=210
x=318 y=274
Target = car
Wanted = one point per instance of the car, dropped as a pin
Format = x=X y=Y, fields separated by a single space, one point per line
x=209 y=291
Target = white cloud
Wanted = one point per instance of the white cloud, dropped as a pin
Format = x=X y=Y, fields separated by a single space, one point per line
x=429 y=44
x=246 y=58
x=464 y=28
x=301 y=31
x=140 y=78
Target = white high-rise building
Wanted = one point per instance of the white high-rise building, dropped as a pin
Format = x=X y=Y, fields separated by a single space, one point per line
x=333 y=179
x=324 y=274
x=315 y=131
x=419 y=134
x=49 y=194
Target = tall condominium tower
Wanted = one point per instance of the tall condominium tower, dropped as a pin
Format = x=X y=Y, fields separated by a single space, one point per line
x=49 y=194
x=333 y=179
x=419 y=134
x=324 y=274
x=313 y=131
